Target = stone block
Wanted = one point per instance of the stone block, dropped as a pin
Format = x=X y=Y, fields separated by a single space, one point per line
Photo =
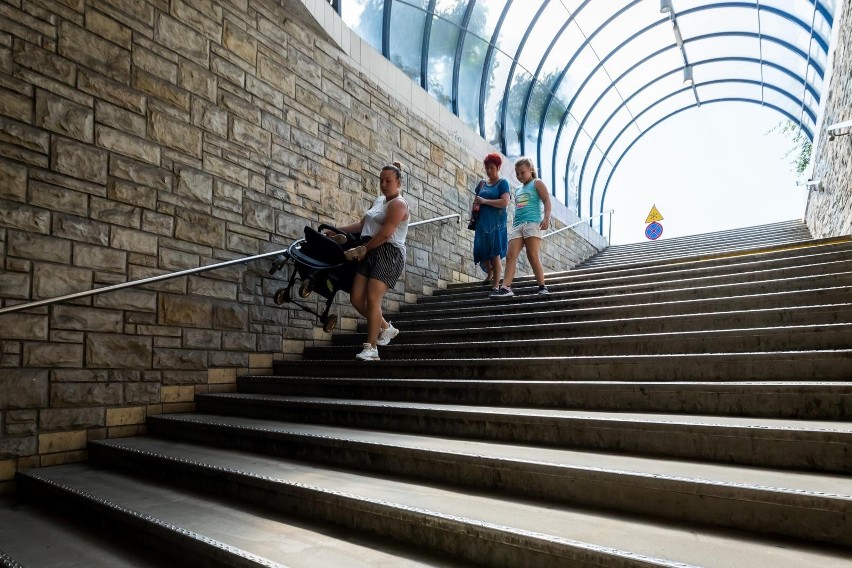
x=177 y=393
x=122 y=143
x=51 y=355
x=158 y=223
x=58 y=198
x=16 y=106
x=50 y=280
x=19 y=446
x=132 y=240
x=132 y=299
x=94 y=52
x=239 y=42
x=194 y=184
x=43 y=61
x=198 y=80
x=61 y=458
x=225 y=169
x=270 y=343
x=13 y=181
x=70 y=418
x=24 y=136
x=104 y=26
x=230 y=316
x=142 y=393
x=24 y=388
x=222 y=376
x=185 y=311
x=180 y=359
x=228 y=359
x=132 y=193
x=200 y=286
x=7 y=470
x=238 y=341
x=100 y=258
x=202 y=339
x=62 y=441
x=115 y=213
x=37 y=247
x=64 y=117
x=254 y=137
x=276 y=74
x=118 y=351
x=258 y=215
x=79 y=229
x=21 y=325
x=182 y=39
x=175 y=134
x=125 y=416
x=154 y=64
x=199 y=228
x=111 y=91
x=240 y=106
x=119 y=118
x=203 y=17
x=209 y=117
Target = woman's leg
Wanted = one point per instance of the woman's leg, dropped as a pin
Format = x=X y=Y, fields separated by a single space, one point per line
x=358 y=295
x=533 y=245
x=515 y=246
x=489 y=268
x=496 y=270
x=376 y=290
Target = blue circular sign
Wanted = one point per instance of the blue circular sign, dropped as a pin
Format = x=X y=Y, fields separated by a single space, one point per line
x=653 y=231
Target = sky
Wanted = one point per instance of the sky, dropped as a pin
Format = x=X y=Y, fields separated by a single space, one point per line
x=709 y=169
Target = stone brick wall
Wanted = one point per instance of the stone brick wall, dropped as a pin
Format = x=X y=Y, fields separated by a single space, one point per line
x=829 y=212
x=140 y=137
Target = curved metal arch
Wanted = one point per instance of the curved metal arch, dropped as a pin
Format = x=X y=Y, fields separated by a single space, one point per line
x=704 y=84
x=663 y=119
x=783 y=43
x=504 y=107
x=386 y=18
x=798 y=102
x=424 y=48
x=632 y=38
x=528 y=96
x=459 y=48
x=489 y=56
x=792 y=74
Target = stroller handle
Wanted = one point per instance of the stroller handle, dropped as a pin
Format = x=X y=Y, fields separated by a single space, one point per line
x=331 y=228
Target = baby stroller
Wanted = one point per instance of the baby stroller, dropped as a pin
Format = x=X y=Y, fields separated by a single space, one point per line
x=320 y=266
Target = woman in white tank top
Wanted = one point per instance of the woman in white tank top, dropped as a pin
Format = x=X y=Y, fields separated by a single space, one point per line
x=381 y=260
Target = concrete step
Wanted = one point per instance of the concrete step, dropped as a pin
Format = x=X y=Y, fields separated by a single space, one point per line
x=741 y=340
x=826 y=262
x=557 y=301
x=509 y=313
x=489 y=530
x=762 y=442
x=797 y=400
x=794 y=316
x=835 y=365
x=62 y=541
x=787 y=279
x=207 y=529
x=633 y=266
x=802 y=506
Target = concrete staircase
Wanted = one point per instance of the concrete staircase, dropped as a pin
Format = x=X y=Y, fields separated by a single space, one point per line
x=665 y=406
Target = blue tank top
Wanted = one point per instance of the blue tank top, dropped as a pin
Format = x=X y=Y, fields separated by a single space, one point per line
x=528 y=206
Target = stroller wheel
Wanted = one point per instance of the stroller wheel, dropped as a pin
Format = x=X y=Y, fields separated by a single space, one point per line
x=330 y=324
x=282 y=296
x=306 y=288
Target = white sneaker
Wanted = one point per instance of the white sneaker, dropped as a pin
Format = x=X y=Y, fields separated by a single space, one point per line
x=368 y=353
x=387 y=334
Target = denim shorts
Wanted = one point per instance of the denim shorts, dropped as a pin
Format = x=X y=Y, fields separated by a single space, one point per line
x=525 y=231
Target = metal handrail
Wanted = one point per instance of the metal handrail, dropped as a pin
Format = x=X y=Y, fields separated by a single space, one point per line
x=582 y=222
x=434 y=220
x=169 y=276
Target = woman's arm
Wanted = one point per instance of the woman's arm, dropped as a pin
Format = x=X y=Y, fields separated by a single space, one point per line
x=353 y=227
x=397 y=210
x=544 y=195
x=501 y=202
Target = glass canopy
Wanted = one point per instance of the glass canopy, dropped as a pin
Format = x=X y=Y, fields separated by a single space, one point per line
x=574 y=84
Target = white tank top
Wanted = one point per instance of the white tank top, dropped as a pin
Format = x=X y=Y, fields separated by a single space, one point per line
x=375 y=218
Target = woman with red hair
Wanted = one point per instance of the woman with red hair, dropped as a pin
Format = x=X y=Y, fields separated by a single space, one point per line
x=490 y=240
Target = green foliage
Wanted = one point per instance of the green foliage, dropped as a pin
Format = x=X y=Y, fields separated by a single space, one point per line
x=801 y=146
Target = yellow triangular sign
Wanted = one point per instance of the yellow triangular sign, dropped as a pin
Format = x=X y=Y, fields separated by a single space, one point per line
x=654 y=215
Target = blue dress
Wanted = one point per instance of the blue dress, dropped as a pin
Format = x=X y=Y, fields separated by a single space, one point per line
x=490 y=238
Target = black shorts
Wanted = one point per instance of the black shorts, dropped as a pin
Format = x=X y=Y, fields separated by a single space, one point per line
x=384 y=263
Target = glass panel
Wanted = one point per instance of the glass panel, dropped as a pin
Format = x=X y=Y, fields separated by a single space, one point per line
x=651 y=41
x=498 y=73
x=364 y=17
x=776 y=52
x=650 y=70
x=406 y=39
x=723 y=46
x=542 y=34
x=516 y=23
x=706 y=22
x=782 y=101
x=442 y=53
x=470 y=74
x=515 y=101
x=595 y=14
x=729 y=90
x=586 y=179
x=602 y=112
